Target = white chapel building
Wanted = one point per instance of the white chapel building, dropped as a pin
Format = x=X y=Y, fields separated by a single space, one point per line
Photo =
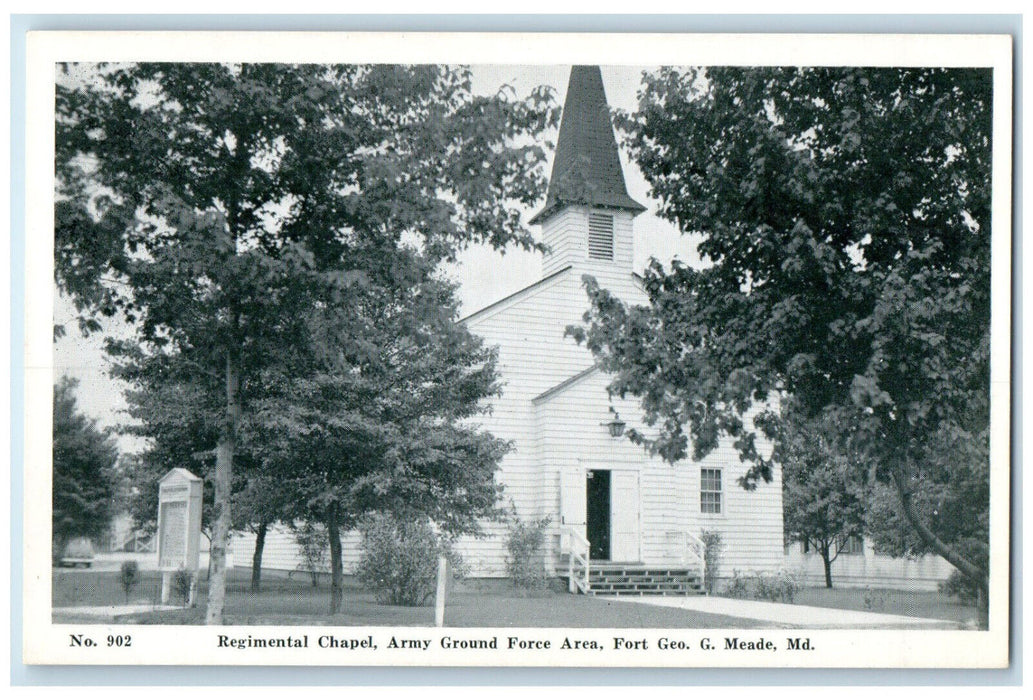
x=604 y=496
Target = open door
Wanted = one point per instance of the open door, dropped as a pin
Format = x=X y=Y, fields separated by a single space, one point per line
x=624 y=516
x=598 y=498
x=572 y=499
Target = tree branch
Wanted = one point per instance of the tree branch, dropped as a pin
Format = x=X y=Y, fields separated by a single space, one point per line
x=967 y=568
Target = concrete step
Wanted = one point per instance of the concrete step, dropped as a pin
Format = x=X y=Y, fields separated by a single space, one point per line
x=643 y=580
x=644 y=585
x=636 y=579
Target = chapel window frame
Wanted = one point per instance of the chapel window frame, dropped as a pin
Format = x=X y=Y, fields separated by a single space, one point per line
x=711 y=491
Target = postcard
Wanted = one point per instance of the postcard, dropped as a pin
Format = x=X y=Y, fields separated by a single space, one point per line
x=491 y=349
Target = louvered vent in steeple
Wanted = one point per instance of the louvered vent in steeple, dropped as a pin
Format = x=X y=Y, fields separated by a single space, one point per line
x=600 y=236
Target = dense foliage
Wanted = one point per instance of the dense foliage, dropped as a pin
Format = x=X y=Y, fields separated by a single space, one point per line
x=313 y=545
x=128 y=577
x=255 y=221
x=84 y=471
x=389 y=428
x=400 y=559
x=525 y=555
x=824 y=491
x=844 y=221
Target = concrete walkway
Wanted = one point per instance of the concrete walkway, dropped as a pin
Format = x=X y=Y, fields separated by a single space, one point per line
x=110 y=611
x=784 y=615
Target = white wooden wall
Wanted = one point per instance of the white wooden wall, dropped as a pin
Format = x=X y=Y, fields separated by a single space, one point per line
x=572 y=436
x=281 y=551
x=870 y=569
x=565 y=430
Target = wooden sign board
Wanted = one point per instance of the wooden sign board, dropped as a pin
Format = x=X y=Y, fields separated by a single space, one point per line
x=179 y=521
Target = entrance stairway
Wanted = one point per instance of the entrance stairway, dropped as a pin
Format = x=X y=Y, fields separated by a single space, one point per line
x=601 y=577
x=637 y=579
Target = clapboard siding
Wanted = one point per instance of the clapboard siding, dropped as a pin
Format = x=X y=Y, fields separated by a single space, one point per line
x=867 y=568
x=572 y=435
x=564 y=430
x=751 y=521
x=566 y=235
x=561 y=233
x=534 y=355
x=281 y=551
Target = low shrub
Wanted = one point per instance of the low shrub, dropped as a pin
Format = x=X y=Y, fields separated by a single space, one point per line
x=874 y=599
x=182 y=582
x=779 y=587
x=313 y=546
x=958 y=587
x=712 y=558
x=400 y=560
x=128 y=577
x=739 y=586
x=525 y=564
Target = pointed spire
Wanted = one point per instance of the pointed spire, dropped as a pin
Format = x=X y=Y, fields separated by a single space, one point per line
x=587 y=166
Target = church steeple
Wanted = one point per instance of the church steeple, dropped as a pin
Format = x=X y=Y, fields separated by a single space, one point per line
x=587 y=219
x=587 y=169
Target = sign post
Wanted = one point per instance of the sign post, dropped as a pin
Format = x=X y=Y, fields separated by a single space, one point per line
x=439 y=600
x=179 y=529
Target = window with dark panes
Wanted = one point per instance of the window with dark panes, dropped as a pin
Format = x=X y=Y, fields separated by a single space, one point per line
x=853 y=545
x=710 y=491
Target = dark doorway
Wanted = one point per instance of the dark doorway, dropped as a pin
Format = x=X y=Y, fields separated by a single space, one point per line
x=597 y=526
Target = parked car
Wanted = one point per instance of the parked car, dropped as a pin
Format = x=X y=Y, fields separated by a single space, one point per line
x=78 y=552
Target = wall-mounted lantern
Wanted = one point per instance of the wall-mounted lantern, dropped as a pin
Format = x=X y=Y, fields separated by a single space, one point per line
x=615 y=426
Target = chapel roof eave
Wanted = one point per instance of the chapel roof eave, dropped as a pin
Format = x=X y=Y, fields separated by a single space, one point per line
x=620 y=203
x=559 y=388
x=516 y=295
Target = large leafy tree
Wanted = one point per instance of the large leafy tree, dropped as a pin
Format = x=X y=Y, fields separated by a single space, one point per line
x=844 y=218
x=84 y=471
x=824 y=489
x=214 y=205
x=389 y=426
x=178 y=417
x=178 y=421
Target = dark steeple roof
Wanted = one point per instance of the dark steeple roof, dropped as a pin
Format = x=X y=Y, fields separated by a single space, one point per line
x=587 y=167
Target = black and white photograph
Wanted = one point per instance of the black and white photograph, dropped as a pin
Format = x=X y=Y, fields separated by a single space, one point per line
x=414 y=355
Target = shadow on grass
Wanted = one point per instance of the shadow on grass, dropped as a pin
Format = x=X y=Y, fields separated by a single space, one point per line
x=927 y=604
x=293 y=600
x=77 y=587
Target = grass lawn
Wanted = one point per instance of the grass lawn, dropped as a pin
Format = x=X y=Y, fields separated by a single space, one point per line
x=91 y=587
x=915 y=604
x=294 y=601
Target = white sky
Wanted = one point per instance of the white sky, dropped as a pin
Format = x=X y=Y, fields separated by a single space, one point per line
x=484 y=275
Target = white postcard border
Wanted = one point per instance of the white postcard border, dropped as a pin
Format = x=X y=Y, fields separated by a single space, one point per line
x=48 y=643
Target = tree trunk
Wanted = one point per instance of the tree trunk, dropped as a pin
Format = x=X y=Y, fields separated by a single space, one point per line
x=224 y=452
x=336 y=565
x=256 y=560
x=967 y=568
x=57 y=550
x=825 y=550
x=208 y=569
x=982 y=609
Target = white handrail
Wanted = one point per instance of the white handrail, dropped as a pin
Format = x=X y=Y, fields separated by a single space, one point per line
x=699 y=548
x=582 y=553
